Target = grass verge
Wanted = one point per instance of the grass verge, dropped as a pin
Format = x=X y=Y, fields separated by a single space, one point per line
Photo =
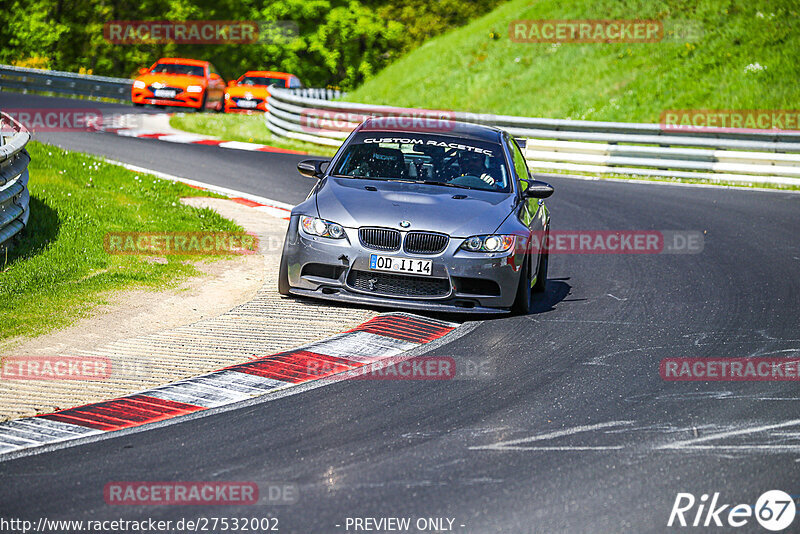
x=242 y=127
x=59 y=270
x=744 y=58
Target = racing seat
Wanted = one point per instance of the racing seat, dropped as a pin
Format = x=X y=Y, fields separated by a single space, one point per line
x=387 y=163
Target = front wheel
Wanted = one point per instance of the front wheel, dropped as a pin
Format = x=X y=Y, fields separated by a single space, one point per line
x=522 y=303
x=541 y=273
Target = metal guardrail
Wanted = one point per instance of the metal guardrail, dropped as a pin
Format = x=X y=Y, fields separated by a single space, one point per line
x=318 y=93
x=14 y=196
x=64 y=83
x=593 y=147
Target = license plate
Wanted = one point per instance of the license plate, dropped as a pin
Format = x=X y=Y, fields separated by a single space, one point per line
x=397 y=264
x=164 y=93
x=247 y=103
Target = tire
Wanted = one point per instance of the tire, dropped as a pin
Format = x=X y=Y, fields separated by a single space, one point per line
x=541 y=273
x=522 y=303
x=283 y=277
x=138 y=104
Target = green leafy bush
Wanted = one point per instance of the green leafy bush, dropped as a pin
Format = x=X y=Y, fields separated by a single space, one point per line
x=340 y=43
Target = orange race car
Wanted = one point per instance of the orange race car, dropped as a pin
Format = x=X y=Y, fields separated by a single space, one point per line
x=179 y=82
x=250 y=91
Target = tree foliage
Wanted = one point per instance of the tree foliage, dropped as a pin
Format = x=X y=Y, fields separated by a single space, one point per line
x=337 y=42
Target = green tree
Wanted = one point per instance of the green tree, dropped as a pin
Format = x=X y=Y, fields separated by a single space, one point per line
x=338 y=42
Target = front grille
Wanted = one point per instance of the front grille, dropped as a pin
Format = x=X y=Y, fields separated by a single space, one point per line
x=379 y=238
x=398 y=285
x=425 y=243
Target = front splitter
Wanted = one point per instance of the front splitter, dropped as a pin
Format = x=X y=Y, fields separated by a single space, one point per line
x=342 y=295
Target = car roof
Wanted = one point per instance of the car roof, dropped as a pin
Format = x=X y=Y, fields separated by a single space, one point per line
x=268 y=73
x=450 y=128
x=182 y=61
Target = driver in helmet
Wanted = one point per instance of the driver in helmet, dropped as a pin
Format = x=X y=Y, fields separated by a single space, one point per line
x=473 y=164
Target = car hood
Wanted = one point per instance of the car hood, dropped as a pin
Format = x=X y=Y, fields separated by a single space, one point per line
x=172 y=80
x=427 y=207
x=243 y=90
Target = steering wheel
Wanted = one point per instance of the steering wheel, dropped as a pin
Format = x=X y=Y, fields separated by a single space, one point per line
x=470 y=180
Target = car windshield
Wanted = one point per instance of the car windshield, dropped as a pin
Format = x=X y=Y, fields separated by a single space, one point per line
x=424 y=158
x=175 y=68
x=262 y=80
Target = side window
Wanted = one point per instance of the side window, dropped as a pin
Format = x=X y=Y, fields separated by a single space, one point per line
x=294 y=83
x=520 y=165
x=212 y=69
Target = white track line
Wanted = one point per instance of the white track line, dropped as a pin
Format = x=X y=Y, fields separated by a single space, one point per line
x=692 y=443
x=514 y=444
x=213 y=188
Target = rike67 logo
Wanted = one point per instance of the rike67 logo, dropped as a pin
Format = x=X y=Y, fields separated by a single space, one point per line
x=774 y=510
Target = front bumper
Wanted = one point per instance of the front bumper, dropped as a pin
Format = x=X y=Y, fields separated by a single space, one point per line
x=186 y=100
x=460 y=281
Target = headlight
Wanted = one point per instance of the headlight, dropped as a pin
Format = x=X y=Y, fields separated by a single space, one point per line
x=314 y=226
x=489 y=243
x=194 y=89
x=139 y=84
x=227 y=96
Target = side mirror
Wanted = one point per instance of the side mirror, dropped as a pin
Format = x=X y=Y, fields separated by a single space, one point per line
x=312 y=168
x=143 y=70
x=232 y=83
x=537 y=189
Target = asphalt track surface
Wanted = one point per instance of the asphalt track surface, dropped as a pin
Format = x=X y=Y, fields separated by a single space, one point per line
x=600 y=443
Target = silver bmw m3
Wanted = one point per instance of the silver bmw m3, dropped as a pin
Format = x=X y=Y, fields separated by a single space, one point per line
x=438 y=219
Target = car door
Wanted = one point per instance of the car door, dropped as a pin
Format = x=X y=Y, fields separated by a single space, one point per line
x=533 y=212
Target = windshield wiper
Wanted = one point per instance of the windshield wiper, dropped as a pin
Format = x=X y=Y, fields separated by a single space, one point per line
x=446 y=184
x=407 y=181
